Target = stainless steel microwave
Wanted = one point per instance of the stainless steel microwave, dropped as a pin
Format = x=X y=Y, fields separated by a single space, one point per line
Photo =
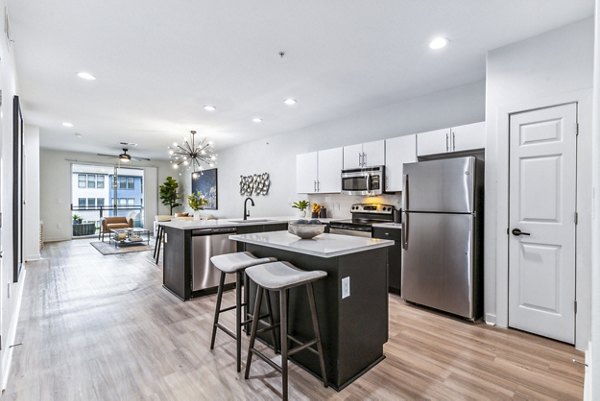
x=363 y=181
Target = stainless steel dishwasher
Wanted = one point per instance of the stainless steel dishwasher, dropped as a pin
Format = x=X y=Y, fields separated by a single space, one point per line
x=208 y=242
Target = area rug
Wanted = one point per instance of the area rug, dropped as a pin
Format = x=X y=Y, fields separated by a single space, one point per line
x=106 y=248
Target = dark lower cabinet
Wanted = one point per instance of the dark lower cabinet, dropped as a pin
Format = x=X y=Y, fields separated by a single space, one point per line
x=394 y=256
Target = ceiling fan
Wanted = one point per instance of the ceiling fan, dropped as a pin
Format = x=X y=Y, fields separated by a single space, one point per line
x=125 y=157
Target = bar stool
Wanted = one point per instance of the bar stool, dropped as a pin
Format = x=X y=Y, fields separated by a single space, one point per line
x=230 y=263
x=159 y=239
x=280 y=277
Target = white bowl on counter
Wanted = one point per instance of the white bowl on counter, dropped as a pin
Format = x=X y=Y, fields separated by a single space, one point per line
x=305 y=229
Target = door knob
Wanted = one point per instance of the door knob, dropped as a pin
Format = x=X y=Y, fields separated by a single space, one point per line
x=516 y=232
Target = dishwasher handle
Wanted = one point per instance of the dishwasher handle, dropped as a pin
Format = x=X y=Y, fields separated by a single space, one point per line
x=213 y=231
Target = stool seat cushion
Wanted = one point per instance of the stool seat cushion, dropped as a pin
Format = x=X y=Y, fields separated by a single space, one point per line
x=232 y=262
x=280 y=275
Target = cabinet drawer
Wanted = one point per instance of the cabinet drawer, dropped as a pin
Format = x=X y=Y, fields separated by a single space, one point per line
x=387 y=233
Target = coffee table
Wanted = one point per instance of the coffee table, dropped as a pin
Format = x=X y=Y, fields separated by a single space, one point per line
x=129 y=236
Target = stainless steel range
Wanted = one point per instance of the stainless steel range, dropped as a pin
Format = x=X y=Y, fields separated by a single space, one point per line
x=364 y=215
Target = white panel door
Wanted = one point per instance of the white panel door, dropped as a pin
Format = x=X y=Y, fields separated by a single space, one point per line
x=374 y=153
x=433 y=142
x=330 y=170
x=353 y=156
x=398 y=151
x=543 y=149
x=468 y=137
x=306 y=173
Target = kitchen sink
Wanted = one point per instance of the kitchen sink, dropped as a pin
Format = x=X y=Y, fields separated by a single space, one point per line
x=251 y=221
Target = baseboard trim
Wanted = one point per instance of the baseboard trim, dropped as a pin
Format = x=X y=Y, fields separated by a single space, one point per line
x=490 y=319
x=12 y=332
x=34 y=257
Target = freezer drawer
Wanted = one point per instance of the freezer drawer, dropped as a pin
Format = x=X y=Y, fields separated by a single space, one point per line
x=446 y=185
x=438 y=262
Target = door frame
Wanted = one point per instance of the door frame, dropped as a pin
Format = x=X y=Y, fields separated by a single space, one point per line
x=497 y=247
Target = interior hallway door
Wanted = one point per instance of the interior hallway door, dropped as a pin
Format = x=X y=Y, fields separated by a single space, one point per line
x=542 y=219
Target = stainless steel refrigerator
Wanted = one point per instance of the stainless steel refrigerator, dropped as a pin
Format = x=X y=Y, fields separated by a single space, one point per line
x=442 y=228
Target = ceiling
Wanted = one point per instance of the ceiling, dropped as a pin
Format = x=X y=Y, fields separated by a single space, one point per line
x=158 y=63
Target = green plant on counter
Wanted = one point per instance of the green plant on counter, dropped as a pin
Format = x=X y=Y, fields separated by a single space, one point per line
x=168 y=193
x=301 y=204
x=197 y=201
x=77 y=219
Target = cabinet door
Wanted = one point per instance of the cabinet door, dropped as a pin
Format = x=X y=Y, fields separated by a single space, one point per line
x=402 y=149
x=433 y=142
x=468 y=137
x=374 y=153
x=353 y=156
x=330 y=170
x=306 y=173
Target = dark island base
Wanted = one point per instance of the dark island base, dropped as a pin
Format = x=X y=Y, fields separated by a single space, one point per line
x=353 y=329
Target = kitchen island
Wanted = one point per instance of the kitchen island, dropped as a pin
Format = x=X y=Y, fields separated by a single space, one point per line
x=352 y=301
x=189 y=244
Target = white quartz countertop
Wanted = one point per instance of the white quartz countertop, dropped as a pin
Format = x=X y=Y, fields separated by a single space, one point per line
x=396 y=226
x=323 y=245
x=189 y=224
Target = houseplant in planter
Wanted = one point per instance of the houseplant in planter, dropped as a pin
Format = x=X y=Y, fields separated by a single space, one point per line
x=197 y=201
x=80 y=228
x=301 y=205
x=168 y=194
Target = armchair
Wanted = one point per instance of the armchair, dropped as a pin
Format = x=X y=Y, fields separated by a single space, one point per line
x=113 y=223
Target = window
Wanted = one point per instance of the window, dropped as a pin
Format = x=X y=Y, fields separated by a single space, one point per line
x=130 y=183
x=91 y=181
x=126 y=182
x=99 y=181
x=122 y=202
x=81 y=183
x=130 y=202
x=100 y=202
x=91 y=203
x=81 y=202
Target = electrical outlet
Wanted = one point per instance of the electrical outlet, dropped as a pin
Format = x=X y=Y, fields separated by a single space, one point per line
x=345 y=287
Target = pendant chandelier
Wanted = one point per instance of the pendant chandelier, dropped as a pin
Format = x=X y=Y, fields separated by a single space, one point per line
x=191 y=154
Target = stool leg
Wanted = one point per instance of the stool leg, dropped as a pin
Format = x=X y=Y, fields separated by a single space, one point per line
x=156 y=242
x=259 y=291
x=272 y=322
x=161 y=233
x=315 y=321
x=284 y=343
x=238 y=318
x=217 y=310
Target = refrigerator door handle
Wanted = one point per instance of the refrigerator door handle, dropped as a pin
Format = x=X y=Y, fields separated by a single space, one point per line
x=404 y=225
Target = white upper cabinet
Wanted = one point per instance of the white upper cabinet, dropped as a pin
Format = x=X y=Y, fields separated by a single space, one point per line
x=398 y=151
x=330 y=170
x=374 y=153
x=456 y=139
x=319 y=172
x=468 y=137
x=364 y=155
x=306 y=173
x=433 y=142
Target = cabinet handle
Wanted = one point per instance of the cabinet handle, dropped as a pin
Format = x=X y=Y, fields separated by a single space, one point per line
x=364 y=159
x=360 y=160
x=314 y=186
x=446 y=142
x=318 y=186
x=453 y=142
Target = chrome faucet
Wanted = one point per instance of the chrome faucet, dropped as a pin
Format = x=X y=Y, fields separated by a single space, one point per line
x=246 y=212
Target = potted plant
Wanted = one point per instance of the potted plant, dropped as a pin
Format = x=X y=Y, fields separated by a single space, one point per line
x=169 y=195
x=197 y=201
x=77 y=219
x=301 y=205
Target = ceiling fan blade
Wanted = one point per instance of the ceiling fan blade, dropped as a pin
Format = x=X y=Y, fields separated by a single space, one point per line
x=105 y=155
x=140 y=159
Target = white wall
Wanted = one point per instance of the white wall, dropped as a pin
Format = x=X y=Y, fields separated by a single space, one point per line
x=277 y=155
x=593 y=386
x=551 y=68
x=55 y=189
x=9 y=292
x=31 y=193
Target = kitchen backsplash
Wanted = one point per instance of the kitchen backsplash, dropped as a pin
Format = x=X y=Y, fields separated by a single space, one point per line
x=338 y=206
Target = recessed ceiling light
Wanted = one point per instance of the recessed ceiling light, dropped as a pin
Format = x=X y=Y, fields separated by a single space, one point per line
x=438 y=43
x=290 y=101
x=208 y=107
x=86 y=76
x=257 y=120
x=77 y=135
x=67 y=124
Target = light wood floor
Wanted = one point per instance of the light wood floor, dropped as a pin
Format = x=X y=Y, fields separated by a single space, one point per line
x=96 y=327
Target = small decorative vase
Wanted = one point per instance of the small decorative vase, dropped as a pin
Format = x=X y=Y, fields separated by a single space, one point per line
x=315 y=215
x=197 y=215
x=301 y=214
